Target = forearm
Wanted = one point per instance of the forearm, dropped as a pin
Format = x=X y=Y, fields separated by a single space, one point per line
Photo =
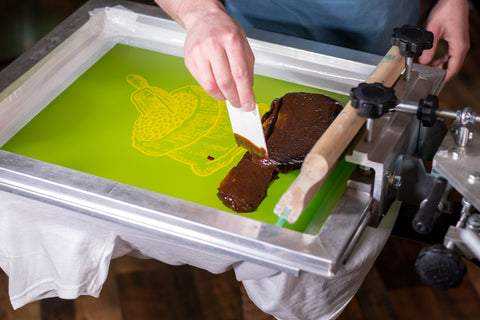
x=187 y=12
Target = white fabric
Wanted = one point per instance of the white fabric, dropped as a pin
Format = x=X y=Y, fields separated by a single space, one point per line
x=309 y=296
x=46 y=254
x=49 y=251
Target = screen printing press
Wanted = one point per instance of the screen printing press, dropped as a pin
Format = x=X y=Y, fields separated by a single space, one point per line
x=68 y=106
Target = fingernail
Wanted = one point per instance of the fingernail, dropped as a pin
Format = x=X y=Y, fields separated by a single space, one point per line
x=248 y=106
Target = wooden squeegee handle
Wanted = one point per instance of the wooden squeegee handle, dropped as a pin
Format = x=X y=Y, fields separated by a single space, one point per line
x=331 y=145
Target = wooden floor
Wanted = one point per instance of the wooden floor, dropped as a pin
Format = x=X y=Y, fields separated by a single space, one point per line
x=151 y=290
x=148 y=289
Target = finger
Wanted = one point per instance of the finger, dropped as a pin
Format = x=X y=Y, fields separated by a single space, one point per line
x=241 y=61
x=457 y=54
x=222 y=74
x=201 y=70
x=441 y=62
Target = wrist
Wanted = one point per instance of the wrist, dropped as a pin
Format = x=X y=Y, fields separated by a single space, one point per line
x=189 y=12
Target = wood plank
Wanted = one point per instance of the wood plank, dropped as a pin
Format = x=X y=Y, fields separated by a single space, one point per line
x=219 y=295
x=182 y=298
x=461 y=303
x=373 y=298
x=106 y=307
x=249 y=310
x=415 y=303
x=352 y=311
x=473 y=276
x=129 y=264
x=142 y=296
x=396 y=263
x=169 y=292
x=30 y=311
x=57 y=309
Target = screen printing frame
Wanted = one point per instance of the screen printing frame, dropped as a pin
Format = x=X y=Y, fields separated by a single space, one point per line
x=71 y=48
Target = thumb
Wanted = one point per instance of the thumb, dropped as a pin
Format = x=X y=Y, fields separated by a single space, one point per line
x=428 y=55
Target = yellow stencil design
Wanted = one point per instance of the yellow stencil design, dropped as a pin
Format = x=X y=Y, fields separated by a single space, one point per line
x=187 y=125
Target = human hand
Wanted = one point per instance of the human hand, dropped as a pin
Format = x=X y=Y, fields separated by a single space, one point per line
x=448 y=20
x=218 y=55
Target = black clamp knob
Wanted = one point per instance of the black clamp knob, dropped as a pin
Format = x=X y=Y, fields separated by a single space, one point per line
x=427 y=110
x=373 y=99
x=412 y=40
x=440 y=267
